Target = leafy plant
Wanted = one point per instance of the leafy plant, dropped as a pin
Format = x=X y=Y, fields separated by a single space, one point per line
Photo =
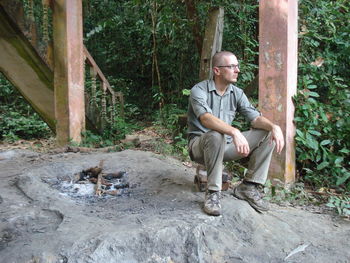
x=90 y=139
x=119 y=129
x=111 y=135
x=279 y=194
x=180 y=145
x=323 y=99
x=341 y=204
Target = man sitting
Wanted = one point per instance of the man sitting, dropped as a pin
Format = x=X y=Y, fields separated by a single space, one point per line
x=213 y=105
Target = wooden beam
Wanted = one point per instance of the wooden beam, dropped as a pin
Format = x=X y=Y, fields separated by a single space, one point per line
x=278 y=35
x=212 y=41
x=68 y=70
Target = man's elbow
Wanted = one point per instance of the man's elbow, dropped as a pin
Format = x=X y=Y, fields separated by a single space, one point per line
x=204 y=118
x=254 y=122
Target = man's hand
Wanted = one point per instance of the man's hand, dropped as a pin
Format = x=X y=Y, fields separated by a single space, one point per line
x=241 y=143
x=211 y=122
x=276 y=132
x=277 y=136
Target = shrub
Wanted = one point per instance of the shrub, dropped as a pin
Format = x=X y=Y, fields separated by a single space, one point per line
x=323 y=99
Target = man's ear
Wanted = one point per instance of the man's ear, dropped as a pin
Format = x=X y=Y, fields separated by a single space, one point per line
x=216 y=71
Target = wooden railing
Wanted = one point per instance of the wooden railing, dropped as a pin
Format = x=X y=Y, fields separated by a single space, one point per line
x=100 y=92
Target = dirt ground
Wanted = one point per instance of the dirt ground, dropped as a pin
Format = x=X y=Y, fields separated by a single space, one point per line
x=158 y=218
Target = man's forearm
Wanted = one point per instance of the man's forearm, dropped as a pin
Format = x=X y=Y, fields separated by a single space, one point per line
x=262 y=123
x=211 y=122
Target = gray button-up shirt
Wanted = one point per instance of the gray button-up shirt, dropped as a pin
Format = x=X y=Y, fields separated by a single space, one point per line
x=204 y=98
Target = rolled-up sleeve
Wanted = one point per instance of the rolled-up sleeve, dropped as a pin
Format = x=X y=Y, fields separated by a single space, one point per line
x=198 y=100
x=247 y=109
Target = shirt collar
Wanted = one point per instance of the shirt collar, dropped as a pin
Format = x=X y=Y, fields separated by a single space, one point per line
x=230 y=88
x=211 y=86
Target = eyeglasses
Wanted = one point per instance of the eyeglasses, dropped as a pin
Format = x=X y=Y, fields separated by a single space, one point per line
x=230 y=66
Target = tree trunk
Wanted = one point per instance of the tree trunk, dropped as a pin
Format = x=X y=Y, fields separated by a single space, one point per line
x=212 y=41
x=196 y=29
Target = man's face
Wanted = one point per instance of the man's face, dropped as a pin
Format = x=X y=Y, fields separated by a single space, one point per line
x=229 y=69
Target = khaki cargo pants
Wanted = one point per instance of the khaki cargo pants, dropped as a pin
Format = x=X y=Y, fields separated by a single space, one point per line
x=211 y=150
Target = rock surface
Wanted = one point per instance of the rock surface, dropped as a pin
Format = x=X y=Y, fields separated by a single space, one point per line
x=159 y=219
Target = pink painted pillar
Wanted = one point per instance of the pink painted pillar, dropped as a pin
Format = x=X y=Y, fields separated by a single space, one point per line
x=68 y=70
x=278 y=39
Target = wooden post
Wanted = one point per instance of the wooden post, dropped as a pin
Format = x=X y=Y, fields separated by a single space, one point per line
x=212 y=41
x=68 y=70
x=278 y=34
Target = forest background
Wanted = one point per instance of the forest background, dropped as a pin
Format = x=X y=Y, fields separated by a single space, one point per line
x=150 y=51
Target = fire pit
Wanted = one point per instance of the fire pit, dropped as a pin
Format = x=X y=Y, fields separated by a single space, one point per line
x=95 y=182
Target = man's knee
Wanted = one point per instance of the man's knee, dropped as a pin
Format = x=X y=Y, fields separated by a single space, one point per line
x=260 y=138
x=214 y=138
x=267 y=139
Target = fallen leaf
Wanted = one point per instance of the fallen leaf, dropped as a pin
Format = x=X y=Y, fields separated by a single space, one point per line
x=187 y=164
x=318 y=62
x=303 y=30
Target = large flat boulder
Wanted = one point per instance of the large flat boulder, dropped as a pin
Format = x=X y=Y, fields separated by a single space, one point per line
x=158 y=219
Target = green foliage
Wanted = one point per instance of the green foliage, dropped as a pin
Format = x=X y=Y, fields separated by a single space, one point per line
x=238 y=169
x=186 y=92
x=180 y=145
x=15 y=125
x=295 y=195
x=92 y=140
x=177 y=149
x=119 y=35
x=323 y=99
x=110 y=136
x=170 y=121
x=119 y=129
x=17 y=119
x=126 y=30
x=162 y=147
x=171 y=115
x=341 y=204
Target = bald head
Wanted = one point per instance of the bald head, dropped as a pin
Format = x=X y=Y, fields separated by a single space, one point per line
x=218 y=58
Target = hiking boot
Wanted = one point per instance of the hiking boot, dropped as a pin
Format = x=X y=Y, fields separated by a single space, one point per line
x=212 y=204
x=250 y=193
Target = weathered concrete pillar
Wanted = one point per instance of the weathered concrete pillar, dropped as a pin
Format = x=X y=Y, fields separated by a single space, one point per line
x=68 y=70
x=278 y=34
x=212 y=41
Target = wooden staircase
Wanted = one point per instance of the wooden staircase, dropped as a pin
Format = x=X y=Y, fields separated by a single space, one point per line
x=70 y=95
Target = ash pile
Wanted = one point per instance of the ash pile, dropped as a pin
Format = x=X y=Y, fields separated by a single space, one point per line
x=95 y=182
